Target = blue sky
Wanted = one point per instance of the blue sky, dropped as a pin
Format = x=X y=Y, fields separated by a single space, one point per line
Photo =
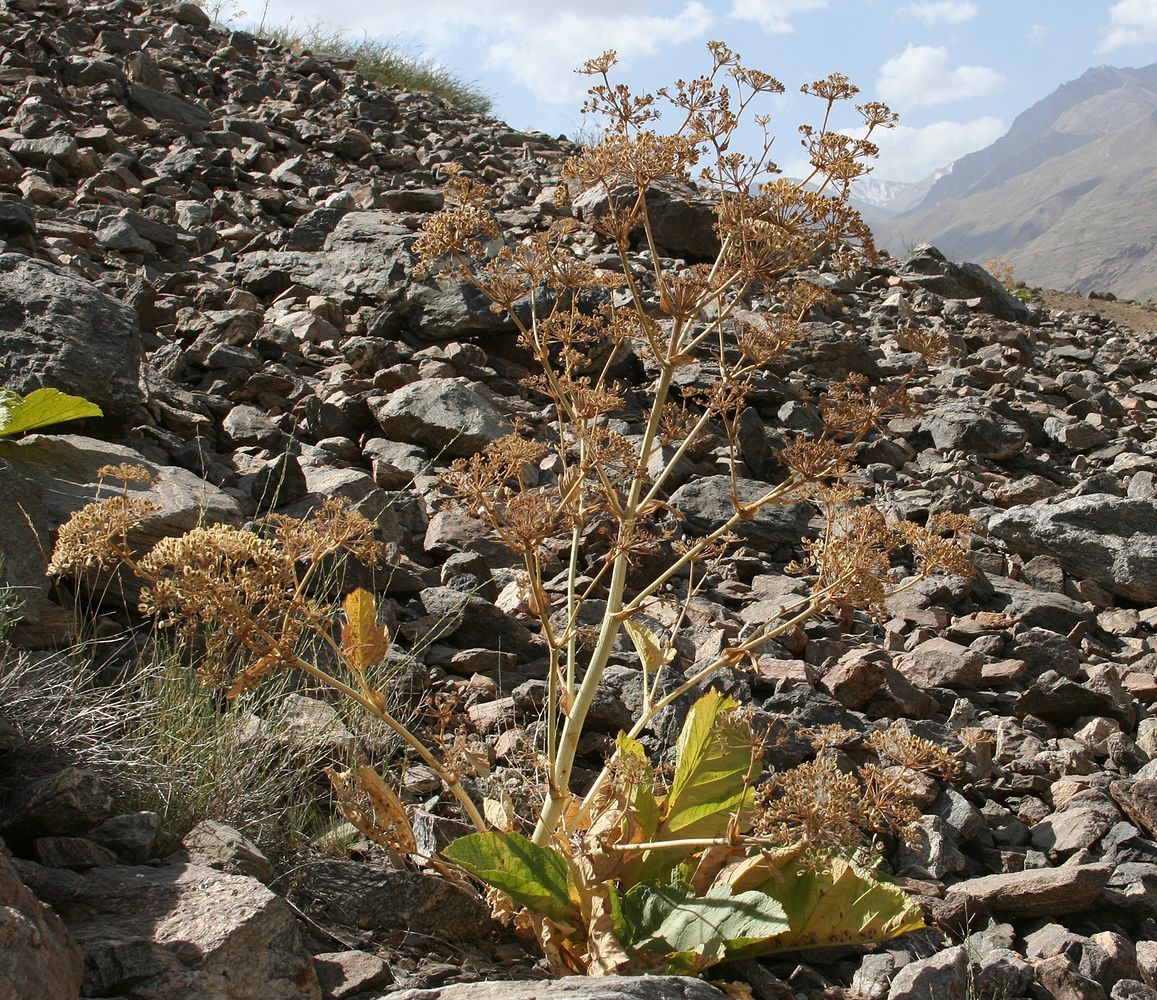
x=957 y=71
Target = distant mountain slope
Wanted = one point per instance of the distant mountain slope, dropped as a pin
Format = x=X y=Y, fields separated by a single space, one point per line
x=1069 y=195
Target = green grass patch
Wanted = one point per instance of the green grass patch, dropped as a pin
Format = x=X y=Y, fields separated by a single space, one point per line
x=385 y=62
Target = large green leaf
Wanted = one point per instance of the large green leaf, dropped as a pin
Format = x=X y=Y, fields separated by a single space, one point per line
x=712 y=765
x=840 y=904
x=692 y=932
x=534 y=877
x=712 y=783
x=40 y=408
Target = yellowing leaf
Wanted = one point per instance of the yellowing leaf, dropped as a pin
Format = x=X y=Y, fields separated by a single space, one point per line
x=842 y=904
x=651 y=651
x=714 y=771
x=40 y=408
x=499 y=813
x=363 y=641
x=373 y=807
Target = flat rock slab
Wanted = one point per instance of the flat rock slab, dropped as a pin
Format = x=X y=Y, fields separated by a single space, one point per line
x=1108 y=539
x=1038 y=892
x=182 y=932
x=575 y=988
x=59 y=331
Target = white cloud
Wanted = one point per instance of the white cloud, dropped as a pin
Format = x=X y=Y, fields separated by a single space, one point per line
x=1131 y=22
x=543 y=54
x=538 y=50
x=941 y=11
x=773 y=15
x=921 y=75
x=1038 y=33
x=910 y=154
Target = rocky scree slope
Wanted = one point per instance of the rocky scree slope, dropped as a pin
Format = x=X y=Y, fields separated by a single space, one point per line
x=211 y=237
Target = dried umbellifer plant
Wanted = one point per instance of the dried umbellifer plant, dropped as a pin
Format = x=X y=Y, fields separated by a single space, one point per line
x=608 y=508
x=631 y=874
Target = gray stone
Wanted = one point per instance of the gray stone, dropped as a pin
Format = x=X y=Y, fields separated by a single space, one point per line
x=943 y=976
x=182 y=932
x=219 y=846
x=446 y=416
x=1110 y=540
x=133 y=836
x=168 y=108
x=777 y=529
x=77 y=853
x=72 y=801
x=1075 y=828
x=1037 y=892
x=59 y=331
x=973 y=426
x=1139 y=801
x=941 y=663
x=376 y=899
x=1003 y=973
x=62 y=472
x=576 y=988
x=928 y=268
x=39 y=960
x=346 y=973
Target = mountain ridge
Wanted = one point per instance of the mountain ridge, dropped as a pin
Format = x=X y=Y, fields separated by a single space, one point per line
x=1063 y=194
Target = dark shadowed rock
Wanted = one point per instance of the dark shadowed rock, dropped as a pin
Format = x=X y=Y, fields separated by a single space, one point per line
x=351 y=894
x=39 y=960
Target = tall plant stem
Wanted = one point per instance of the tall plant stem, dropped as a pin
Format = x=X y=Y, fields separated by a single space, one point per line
x=563 y=764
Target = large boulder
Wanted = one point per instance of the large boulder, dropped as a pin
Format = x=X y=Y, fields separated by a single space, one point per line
x=182 y=932
x=930 y=269
x=776 y=530
x=1108 y=539
x=59 y=331
x=39 y=960
x=682 y=221
x=972 y=425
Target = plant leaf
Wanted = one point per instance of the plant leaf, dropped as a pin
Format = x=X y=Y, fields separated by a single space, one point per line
x=842 y=904
x=363 y=640
x=40 y=408
x=713 y=770
x=385 y=821
x=692 y=932
x=641 y=790
x=534 y=877
x=652 y=655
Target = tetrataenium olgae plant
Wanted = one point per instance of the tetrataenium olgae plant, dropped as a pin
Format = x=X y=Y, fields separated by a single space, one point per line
x=636 y=871
x=703 y=870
